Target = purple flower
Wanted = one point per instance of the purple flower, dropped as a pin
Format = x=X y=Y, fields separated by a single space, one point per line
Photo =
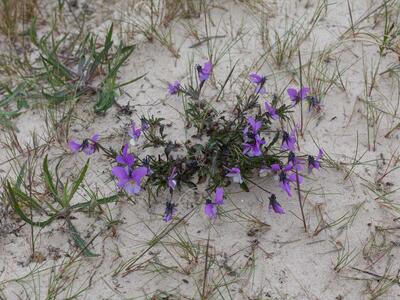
x=313 y=162
x=234 y=173
x=144 y=124
x=314 y=103
x=271 y=111
x=274 y=205
x=210 y=209
x=74 y=146
x=169 y=211
x=125 y=158
x=255 y=125
x=88 y=146
x=295 y=162
x=174 y=88
x=134 y=134
x=146 y=163
x=128 y=179
x=297 y=96
x=255 y=148
x=204 y=71
x=259 y=80
x=252 y=141
x=219 y=196
x=288 y=140
x=171 y=179
x=285 y=178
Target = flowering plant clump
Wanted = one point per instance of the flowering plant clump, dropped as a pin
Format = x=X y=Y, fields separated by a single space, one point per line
x=228 y=148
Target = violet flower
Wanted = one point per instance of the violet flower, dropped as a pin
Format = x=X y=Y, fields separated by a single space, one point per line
x=295 y=162
x=169 y=211
x=254 y=149
x=259 y=80
x=271 y=111
x=219 y=196
x=285 y=178
x=88 y=146
x=252 y=141
x=234 y=173
x=313 y=162
x=314 y=103
x=288 y=140
x=171 y=179
x=297 y=96
x=144 y=124
x=125 y=158
x=134 y=134
x=130 y=179
x=204 y=71
x=255 y=125
x=174 y=87
x=275 y=205
x=210 y=209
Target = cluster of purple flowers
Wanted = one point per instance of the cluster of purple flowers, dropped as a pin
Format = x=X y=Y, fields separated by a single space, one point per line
x=131 y=171
x=252 y=140
x=129 y=177
x=252 y=147
x=289 y=173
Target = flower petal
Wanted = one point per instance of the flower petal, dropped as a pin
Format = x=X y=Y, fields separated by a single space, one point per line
x=74 y=146
x=276 y=167
x=255 y=78
x=292 y=94
x=219 y=196
x=139 y=173
x=304 y=92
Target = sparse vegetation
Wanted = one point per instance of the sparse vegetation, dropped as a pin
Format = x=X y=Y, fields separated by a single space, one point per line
x=148 y=148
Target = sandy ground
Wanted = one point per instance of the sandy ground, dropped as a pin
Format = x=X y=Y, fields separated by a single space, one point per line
x=351 y=249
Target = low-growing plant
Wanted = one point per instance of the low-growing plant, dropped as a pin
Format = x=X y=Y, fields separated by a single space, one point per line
x=60 y=206
x=7 y=97
x=227 y=147
x=12 y=13
x=69 y=68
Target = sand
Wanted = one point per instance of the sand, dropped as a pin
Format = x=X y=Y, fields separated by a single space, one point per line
x=351 y=248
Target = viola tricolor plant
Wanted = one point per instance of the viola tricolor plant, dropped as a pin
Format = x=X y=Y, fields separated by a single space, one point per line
x=228 y=149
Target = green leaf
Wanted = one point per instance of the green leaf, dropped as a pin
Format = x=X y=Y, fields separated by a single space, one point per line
x=274 y=140
x=77 y=183
x=80 y=243
x=21 y=175
x=130 y=81
x=21 y=214
x=101 y=201
x=49 y=181
x=106 y=96
x=244 y=187
x=22 y=103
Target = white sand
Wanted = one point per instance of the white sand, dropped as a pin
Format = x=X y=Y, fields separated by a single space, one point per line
x=248 y=261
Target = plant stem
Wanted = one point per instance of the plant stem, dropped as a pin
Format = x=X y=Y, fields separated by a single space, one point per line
x=300 y=202
x=257 y=185
x=301 y=101
x=203 y=296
